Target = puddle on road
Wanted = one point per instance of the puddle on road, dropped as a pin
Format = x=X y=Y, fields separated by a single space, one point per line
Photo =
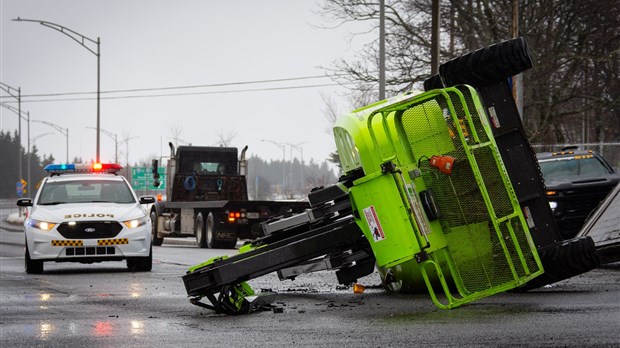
x=50 y=330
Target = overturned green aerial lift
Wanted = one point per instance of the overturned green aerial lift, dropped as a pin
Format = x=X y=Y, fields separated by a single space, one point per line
x=425 y=197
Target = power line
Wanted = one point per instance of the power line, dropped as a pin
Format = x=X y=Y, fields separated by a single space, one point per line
x=187 y=94
x=177 y=87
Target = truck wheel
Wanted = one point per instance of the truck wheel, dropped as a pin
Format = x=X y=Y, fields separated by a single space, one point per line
x=199 y=231
x=154 y=239
x=210 y=235
x=212 y=241
x=32 y=266
x=141 y=264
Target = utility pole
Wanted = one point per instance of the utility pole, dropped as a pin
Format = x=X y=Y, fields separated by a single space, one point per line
x=517 y=80
x=381 y=49
x=282 y=146
x=17 y=94
x=113 y=136
x=435 y=38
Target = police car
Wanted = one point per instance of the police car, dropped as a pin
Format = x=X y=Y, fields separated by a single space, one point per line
x=86 y=213
x=577 y=181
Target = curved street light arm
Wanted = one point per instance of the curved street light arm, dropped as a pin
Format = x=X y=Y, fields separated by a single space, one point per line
x=11 y=91
x=35 y=138
x=63 y=131
x=106 y=132
x=81 y=40
x=75 y=36
x=15 y=110
x=282 y=146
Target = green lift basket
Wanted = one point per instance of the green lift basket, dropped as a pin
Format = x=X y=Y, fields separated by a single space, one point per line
x=433 y=198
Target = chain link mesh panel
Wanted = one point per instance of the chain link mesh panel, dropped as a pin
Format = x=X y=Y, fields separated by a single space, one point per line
x=487 y=242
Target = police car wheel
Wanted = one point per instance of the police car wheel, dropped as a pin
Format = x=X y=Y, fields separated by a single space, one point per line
x=155 y=240
x=33 y=266
x=141 y=264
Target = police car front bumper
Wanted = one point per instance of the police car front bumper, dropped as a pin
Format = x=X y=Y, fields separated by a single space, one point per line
x=53 y=246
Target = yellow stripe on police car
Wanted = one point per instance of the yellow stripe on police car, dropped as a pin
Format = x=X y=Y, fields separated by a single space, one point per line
x=117 y=241
x=67 y=243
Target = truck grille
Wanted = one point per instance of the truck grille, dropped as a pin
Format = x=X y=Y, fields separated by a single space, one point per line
x=583 y=201
x=90 y=229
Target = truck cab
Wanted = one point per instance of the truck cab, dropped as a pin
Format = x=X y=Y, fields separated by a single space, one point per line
x=207 y=198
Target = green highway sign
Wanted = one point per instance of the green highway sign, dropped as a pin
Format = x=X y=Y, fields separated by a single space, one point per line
x=142 y=178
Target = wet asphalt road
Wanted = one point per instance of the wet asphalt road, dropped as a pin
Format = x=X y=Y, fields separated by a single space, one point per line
x=104 y=305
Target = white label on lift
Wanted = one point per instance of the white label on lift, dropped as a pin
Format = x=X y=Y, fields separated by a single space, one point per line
x=528 y=217
x=373 y=223
x=494 y=118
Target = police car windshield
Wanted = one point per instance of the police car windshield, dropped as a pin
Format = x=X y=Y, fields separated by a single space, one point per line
x=569 y=167
x=85 y=191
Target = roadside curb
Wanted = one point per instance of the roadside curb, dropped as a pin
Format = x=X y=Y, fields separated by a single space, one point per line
x=12 y=222
x=15 y=219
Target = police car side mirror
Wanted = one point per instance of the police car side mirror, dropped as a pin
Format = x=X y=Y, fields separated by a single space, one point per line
x=24 y=202
x=147 y=200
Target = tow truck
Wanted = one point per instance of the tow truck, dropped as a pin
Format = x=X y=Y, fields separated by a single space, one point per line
x=441 y=191
x=207 y=199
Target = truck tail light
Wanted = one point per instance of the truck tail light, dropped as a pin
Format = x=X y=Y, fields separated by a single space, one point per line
x=233 y=216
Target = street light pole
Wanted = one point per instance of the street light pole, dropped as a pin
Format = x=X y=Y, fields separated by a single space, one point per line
x=80 y=39
x=283 y=147
x=113 y=136
x=126 y=141
x=301 y=151
x=63 y=131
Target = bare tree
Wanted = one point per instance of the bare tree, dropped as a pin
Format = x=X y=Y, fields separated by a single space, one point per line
x=175 y=133
x=225 y=139
x=571 y=94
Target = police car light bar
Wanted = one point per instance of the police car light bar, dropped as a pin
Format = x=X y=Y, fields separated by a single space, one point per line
x=83 y=168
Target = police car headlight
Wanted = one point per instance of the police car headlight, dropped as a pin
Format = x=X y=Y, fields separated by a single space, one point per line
x=135 y=222
x=42 y=225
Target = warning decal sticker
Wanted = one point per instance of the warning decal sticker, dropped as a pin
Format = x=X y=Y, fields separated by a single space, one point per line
x=374 y=224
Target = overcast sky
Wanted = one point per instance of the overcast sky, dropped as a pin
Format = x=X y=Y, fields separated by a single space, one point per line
x=159 y=44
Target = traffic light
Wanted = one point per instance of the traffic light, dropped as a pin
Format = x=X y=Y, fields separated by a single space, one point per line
x=155 y=166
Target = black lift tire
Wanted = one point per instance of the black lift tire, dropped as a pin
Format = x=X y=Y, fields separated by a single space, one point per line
x=487 y=65
x=565 y=259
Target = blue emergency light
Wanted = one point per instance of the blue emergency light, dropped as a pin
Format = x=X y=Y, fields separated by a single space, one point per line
x=83 y=168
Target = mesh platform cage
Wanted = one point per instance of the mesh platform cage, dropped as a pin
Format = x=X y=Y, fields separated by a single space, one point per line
x=472 y=240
